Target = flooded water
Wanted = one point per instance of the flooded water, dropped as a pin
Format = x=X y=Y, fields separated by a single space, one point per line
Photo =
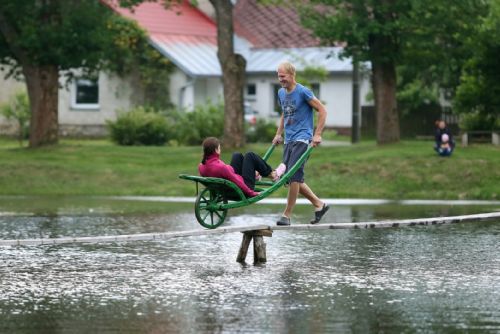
x=443 y=279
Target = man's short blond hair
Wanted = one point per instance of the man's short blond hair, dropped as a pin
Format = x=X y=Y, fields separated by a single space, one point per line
x=288 y=67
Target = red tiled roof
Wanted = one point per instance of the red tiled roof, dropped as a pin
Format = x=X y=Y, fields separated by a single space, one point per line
x=179 y=19
x=269 y=26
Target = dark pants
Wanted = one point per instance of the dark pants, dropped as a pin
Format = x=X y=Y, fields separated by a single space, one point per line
x=444 y=152
x=246 y=166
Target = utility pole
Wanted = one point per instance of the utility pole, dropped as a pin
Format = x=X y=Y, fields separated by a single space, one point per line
x=355 y=100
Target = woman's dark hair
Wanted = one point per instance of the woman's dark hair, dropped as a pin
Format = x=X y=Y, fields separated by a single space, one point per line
x=210 y=144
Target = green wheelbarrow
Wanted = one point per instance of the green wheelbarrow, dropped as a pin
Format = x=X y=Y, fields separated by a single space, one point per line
x=219 y=195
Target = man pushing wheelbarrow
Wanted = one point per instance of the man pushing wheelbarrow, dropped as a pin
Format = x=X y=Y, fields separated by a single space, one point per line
x=297 y=104
x=224 y=190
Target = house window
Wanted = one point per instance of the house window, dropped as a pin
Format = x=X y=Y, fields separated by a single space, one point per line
x=251 y=90
x=85 y=94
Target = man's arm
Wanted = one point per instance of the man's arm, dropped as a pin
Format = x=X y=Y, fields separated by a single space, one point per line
x=278 y=137
x=320 y=108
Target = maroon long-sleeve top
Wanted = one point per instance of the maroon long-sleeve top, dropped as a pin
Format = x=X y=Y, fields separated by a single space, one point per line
x=215 y=167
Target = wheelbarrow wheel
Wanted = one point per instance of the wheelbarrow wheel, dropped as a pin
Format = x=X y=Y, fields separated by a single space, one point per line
x=207 y=209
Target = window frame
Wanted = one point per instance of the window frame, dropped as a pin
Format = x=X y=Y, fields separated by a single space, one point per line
x=74 y=93
x=251 y=96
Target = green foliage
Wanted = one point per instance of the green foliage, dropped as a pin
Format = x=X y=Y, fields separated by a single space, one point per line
x=141 y=126
x=479 y=90
x=262 y=132
x=358 y=23
x=82 y=34
x=18 y=109
x=427 y=36
x=476 y=121
x=438 y=40
x=310 y=73
x=416 y=95
x=146 y=126
x=131 y=53
x=429 y=40
x=68 y=34
x=194 y=126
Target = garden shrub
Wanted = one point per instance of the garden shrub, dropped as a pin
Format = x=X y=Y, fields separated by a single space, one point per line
x=263 y=131
x=141 y=126
x=18 y=109
x=476 y=121
x=191 y=127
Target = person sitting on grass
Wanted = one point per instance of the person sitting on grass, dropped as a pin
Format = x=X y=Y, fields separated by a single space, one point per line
x=445 y=147
x=444 y=144
x=242 y=170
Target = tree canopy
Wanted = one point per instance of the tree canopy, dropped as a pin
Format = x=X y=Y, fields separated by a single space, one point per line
x=479 y=89
x=66 y=34
x=426 y=41
x=43 y=39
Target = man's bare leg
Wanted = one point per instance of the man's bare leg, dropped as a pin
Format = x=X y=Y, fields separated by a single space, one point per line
x=308 y=193
x=293 y=193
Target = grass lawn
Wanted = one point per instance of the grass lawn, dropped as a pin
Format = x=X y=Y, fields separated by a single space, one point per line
x=408 y=170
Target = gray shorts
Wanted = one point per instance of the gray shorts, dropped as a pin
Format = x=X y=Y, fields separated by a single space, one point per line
x=292 y=153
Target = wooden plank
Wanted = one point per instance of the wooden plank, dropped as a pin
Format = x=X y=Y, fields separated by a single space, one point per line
x=395 y=223
x=131 y=237
x=231 y=229
x=262 y=233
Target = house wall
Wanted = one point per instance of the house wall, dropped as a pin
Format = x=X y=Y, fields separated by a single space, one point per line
x=186 y=92
x=263 y=101
x=115 y=94
x=180 y=89
x=119 y=94
x=336 y=93
x=207 y=90
x=214 y=89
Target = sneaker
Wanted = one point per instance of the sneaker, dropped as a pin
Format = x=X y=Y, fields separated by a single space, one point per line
x=281 y=169
x=319 y=214
x=278 y=172
x=283 y=221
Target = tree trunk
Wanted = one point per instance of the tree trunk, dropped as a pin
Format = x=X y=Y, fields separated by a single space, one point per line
x=233 y=75
x=384 y=90
x=43 y=91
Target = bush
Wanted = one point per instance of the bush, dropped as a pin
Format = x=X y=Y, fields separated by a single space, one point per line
x=263 y=131
x=479 y=122
x=141 y=126
x=18 y=110
x=191 y=127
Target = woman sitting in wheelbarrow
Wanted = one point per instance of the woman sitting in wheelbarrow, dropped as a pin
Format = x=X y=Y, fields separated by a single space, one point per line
x=241 y=171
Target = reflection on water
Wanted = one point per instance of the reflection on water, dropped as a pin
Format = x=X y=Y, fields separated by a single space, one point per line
x=429 y=279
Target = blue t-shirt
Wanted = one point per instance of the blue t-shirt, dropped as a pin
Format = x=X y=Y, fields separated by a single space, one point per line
x=297 y=113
